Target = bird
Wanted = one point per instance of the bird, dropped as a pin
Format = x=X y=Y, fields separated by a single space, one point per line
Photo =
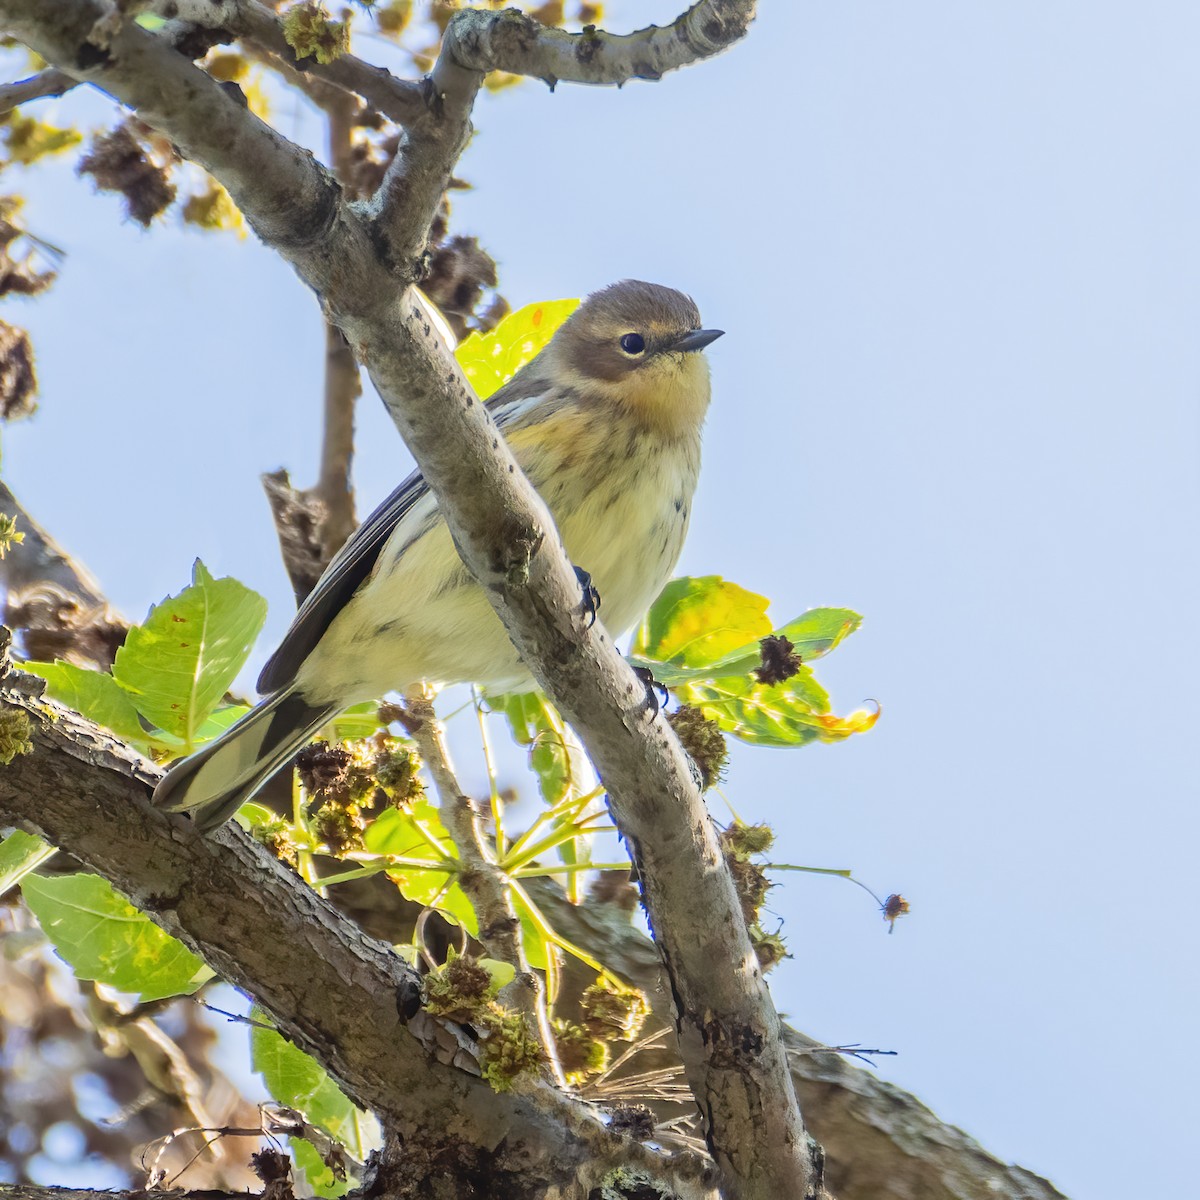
x=606 y=422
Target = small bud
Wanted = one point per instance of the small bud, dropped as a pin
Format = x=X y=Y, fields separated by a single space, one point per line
x=702 y=738
x=15 y=733
x=742 y=841
x=311 y=34
x=893 y=908
x=769 y=948
x=779 y=660
x=612 y=1010
x=633 y=1120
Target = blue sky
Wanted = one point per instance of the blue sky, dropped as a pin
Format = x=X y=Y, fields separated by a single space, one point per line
x=956 y=249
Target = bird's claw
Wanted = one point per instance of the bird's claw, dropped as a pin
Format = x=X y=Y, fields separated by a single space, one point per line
x=653 y=690
x=591 y=597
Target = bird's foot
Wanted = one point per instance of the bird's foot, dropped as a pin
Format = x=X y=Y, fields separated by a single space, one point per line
x=653 y=690
x=591 y=597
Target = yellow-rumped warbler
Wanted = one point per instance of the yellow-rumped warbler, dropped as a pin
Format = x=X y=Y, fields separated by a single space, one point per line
x=606 y=423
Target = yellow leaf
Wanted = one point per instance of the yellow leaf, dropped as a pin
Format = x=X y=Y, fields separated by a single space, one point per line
x=835 y=728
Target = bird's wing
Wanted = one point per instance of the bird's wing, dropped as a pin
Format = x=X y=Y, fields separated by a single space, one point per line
x=347 y=569
x=355 y=561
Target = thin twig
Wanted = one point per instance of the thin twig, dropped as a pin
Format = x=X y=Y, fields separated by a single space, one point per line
x=45 y=84
x=484 y=884
x=343 y=384
x=400 y=100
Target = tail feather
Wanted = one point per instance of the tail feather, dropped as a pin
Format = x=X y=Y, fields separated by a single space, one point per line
x=217 y=780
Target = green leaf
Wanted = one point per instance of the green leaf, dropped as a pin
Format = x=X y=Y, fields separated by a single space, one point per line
x=491 y=359
x=21 y=853
x=252 y=815
x=179 y=663
x=820 y=630
x=502 y=973
x=95 y=695
x=360 y=721
x=793 y=713
x=103 y=937
x=455 y=906
x=536 y=723
x=533 y=940
x=321 y=1180
x=407 y=834
x=298 y=1080
x=702 y=628
x=698 y=621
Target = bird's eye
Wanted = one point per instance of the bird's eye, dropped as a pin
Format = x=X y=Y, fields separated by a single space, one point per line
x=633 y=343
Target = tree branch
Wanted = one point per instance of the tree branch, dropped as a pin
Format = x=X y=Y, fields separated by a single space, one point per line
x=481 y=880
x=358 y=260
x=343 y=383
x=401 y=100
x=520 y=44
x=35 y=1191
x=341 y=996
x=53 y=601
x=45 y=84
x=881 y=1142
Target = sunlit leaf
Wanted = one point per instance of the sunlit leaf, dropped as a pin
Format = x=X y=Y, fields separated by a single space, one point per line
x=698 y=620
x=103 y=937
x=455 y=906
x=179 y=663
x=536 y=723
x=793 y=713
x=216 y=723
x=360 y=721
x=533 y=940
x=298 y=1080
x=705 y=627
x=417 y=832
x=491 y=359
x=93 y=694
x=320 y=1178
x=21 y=853
x=501 y=972
x=819 y=630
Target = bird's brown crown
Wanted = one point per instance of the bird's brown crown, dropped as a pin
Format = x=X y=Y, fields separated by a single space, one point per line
x=634 y=346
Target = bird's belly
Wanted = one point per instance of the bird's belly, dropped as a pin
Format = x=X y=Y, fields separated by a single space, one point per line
x=628 y=538
x=421 y=616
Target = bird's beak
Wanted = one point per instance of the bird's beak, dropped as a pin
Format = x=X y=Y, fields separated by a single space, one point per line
x=697 y=339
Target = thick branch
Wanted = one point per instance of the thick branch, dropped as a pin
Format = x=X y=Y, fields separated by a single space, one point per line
x=335 y=992
x=729 y=1033
x=34 y=1191
x=511 y=41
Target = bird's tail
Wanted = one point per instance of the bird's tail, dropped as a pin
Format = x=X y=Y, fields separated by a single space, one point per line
x=218 y=779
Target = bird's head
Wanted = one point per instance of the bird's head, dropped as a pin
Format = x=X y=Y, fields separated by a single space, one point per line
x=638 y=345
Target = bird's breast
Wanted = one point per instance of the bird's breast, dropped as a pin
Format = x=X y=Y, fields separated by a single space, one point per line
x=623 y=515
